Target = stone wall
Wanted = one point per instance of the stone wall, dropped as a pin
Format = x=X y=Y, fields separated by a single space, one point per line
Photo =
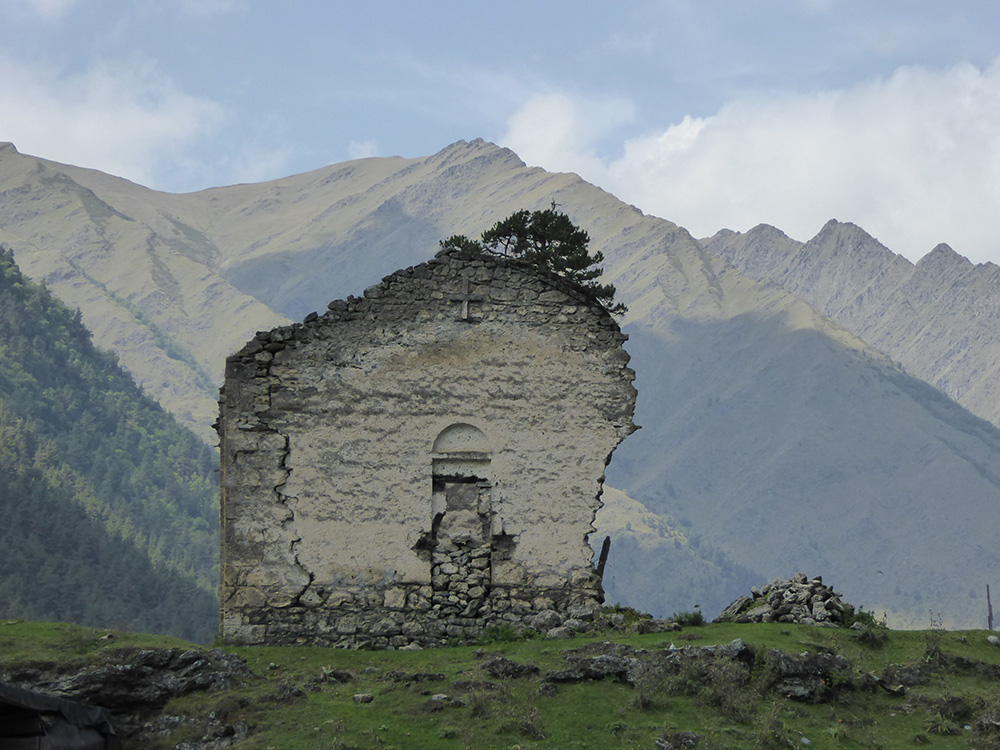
x=422 y=462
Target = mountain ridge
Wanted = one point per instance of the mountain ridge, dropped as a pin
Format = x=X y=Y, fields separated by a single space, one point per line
x=775 y=436
x=939 y=317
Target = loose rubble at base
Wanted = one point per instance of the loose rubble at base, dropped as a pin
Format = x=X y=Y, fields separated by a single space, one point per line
x=806 y=601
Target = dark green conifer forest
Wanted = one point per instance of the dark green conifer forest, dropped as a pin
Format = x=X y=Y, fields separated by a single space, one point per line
x=108 y=507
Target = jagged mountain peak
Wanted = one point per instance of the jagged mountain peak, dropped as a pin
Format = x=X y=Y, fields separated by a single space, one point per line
x=943 y=255
x=769 y=230
x=476 y=147
x=7 y=147
x=759 y=232
x=847 y=237
x=836 y=225
x=938 y=317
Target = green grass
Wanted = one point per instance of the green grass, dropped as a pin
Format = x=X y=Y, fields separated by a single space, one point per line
x=22 y=641
x=515 y=714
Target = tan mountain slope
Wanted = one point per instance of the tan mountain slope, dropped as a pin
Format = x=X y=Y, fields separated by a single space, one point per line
x=939 y=317
x=779 y=441
x=148 y=285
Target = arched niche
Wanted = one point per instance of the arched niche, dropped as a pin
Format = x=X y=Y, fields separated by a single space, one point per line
x=458 y=546
x=462 y=451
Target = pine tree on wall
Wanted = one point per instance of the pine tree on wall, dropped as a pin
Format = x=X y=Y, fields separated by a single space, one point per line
x=547 y=239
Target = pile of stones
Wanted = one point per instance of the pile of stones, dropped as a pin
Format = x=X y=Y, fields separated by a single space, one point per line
x=806 y=601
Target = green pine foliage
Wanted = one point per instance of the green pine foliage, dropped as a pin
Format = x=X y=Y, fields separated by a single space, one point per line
x=108 y=507
x=550 y=240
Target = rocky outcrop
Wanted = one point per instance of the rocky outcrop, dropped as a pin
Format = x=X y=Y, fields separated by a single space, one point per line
x=135 y=685
x=805 y=677
x=801 y=600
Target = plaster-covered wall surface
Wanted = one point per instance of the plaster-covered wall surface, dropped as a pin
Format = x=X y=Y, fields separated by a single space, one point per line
x=422 y=462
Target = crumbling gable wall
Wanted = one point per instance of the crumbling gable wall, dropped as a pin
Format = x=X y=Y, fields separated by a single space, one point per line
x=421 y=462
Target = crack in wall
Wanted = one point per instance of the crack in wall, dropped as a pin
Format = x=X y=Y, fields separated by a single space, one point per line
x=289 y=521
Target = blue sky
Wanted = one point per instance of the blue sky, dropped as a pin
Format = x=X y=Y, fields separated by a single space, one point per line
x=709 y=113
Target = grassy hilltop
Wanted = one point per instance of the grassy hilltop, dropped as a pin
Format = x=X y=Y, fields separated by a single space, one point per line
x=935 y=688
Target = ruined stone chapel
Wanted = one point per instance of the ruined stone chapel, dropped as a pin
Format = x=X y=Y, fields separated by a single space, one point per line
x=420 y=463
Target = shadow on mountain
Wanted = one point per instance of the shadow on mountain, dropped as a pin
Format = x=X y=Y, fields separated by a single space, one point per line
x=807 y=470
x=386 y=240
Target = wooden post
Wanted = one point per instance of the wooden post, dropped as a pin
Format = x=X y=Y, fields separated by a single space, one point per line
x=603 y=559
x=989 y=606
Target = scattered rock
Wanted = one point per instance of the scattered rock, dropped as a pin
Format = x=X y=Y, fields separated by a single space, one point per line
x=545 y=621
x=584 y=612
x=134 y=684
x=677 y=741
x=908 y=676
x=466 y=686
x=336 y=676
x=415 y=677
x=988 y=725
x=284 y=693
x=504 y=668
x=363 y=697
x=869 y=682
x=615 y=620
x=648 y=625
x=577 y=626
x=806 y=677
x=593 y=668
x=441 y=701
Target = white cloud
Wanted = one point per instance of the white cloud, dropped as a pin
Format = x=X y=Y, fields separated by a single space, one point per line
x=126 y=119
x=362 y=149
x=51 y=9
x=914 y=159
x=561 y=132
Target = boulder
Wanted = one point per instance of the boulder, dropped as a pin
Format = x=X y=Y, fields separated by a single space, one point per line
x=503 y=668
x=545 y=620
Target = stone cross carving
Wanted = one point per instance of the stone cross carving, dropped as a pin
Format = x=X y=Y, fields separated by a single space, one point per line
x=465 y=298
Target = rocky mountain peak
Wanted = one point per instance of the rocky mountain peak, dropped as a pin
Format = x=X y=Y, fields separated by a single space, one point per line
x=756 y=252
x=942 y=265
x=6 y=147
x=942 y=256
x=845 y=233
x=767 y=230
x=464 y=151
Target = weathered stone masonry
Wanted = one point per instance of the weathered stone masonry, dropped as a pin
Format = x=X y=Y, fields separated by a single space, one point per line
x=422 y=462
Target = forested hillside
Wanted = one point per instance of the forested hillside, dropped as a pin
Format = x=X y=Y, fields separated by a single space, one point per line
x=107 y=506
